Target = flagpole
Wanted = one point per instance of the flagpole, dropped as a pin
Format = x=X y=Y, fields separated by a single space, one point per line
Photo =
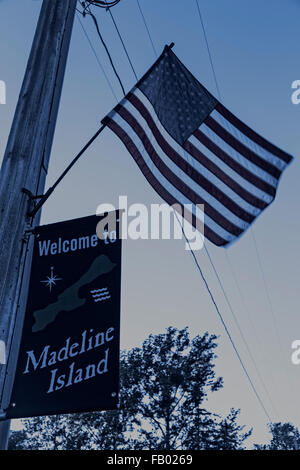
x=43 y=199
x=25 y=166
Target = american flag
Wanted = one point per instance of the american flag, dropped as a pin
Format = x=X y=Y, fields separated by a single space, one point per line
x=193 y=150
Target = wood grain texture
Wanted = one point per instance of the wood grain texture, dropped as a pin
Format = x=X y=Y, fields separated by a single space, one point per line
x=28 y=151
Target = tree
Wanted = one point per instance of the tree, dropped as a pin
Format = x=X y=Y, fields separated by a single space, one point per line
x=53 y=433
x=163 y=388
x=174 y=375
x=84 y=431
x=285 y=436
x=230 y=435
x=16 y=440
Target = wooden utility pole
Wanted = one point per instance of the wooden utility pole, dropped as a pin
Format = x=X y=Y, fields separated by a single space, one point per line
x=26 y=162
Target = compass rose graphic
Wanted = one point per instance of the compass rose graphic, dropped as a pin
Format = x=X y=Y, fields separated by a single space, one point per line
x=51 y=280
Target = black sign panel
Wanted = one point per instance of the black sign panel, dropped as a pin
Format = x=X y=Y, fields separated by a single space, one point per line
x=69 y=353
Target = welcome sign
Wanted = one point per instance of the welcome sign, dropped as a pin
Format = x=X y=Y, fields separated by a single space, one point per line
x=69 y=352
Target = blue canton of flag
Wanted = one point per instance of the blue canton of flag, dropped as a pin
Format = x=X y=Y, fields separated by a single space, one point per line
x=194 y=151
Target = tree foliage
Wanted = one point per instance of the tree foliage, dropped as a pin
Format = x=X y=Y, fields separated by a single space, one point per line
x=231 y=435
x=285 y=436
x=163 y=389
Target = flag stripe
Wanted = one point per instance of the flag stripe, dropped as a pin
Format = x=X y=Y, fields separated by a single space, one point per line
x=251 y=188
x=238 y=157
x=246 y=174
x=165 y=182
x=185 y=166
x=223 y=165
x=158 y=187
x=208 y=164
x=241 y=148
x=238 y=189
x=262 y=152
x=253 y=135
x=210 y=209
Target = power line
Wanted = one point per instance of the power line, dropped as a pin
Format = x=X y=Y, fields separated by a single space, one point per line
x=147 y=29
x=123 y=44
x=240 y=329
x=106 y=48
x=269 y=301
x=97 y=58
x=266 y=288
x=48 y=193
x=220 y=98
x=102 y=4
x=203 y=277
x=208 y=50
x=192 y=252
x=224 y=324
x=235 y=320
x=264 y=280
x=246 y=309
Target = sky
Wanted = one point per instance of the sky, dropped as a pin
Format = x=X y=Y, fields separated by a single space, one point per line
x=255 y=50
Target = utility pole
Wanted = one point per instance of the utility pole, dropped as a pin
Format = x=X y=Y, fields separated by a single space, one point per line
x=25 y=165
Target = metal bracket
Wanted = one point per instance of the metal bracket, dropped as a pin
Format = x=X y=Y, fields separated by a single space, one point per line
x=28 y=231
x=32 y=203
x=30 y=195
